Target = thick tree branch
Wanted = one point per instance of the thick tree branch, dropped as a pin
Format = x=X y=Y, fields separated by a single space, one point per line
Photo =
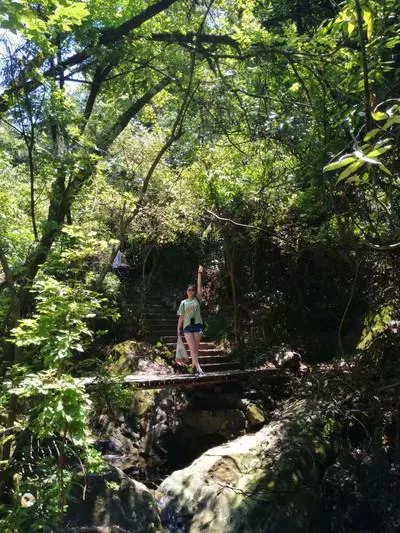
x=112 y=35
x=223 y=219
x=99 y=77
x=123 y=120
x=62 y=196
x=58 y=208
x=192 y=38
x=29 y=81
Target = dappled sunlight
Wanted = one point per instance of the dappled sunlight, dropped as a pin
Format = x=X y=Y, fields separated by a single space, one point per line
x=199 y=257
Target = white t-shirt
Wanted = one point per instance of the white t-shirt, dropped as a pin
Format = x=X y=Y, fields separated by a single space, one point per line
x=190 y=308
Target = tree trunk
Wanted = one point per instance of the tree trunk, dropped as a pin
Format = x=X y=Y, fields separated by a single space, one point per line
x=229 y=258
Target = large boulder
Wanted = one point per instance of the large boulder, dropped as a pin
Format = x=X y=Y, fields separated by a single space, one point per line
x=136 y=438
x=256 y=483
x=288 y=360
x=212 y=492
x=131 y=425
x=111 y=501
x=130 y=357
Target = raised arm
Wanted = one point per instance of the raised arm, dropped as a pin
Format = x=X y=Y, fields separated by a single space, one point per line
x=200 y=282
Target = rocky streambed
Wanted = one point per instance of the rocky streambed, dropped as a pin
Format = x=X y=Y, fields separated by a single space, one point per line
x=232 y=460
x=180 y=460
x=149 y=433
x=256 y=483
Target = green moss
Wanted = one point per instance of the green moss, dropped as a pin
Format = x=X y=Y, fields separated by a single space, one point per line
x=143 y=401
x=254 y=415
x=124 y=358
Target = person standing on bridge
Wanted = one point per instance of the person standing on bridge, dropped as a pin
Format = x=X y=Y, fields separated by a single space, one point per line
x=189 y=313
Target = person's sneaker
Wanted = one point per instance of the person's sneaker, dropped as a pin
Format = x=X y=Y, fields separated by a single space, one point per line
x=198 y=372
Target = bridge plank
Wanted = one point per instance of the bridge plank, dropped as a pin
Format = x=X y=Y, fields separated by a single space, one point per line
x=152 y=381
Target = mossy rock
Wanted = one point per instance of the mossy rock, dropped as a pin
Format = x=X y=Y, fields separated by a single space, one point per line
x=111 y=501
x=254 y=416
x=132 y=356
x=256 y=483
x=124 y=358
x=143 y=401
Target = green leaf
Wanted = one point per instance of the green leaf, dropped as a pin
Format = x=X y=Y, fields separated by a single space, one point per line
x=379 y=151
x=351 y=26
x=379 y=115
x=349 y=171
x=339 y=164
x=390 y=122
x=69 y=15
x=371 y=134
x=385 y=170
x=367 y=16
x=392 y=42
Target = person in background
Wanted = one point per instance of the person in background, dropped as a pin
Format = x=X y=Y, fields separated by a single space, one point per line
x=119 y=265
x=190 y=319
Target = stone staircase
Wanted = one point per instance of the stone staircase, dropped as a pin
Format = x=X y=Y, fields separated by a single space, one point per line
x=160 y=323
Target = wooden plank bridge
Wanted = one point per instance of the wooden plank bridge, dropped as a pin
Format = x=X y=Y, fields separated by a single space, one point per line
x=218 y=365
x=163 y=381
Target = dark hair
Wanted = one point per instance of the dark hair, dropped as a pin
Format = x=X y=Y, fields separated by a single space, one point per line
x=191 y=286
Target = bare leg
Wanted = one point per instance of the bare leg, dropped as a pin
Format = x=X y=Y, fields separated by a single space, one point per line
x=197 y=338
x=193 y=347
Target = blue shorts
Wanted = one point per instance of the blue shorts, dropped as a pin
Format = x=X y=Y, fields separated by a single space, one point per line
x=195 y=328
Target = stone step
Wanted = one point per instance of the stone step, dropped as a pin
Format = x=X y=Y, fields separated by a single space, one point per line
x=172 y=339
x=209 y=359
x=205 y=348
x=152 y=313
x=149 y=315
x=160 y=316
x=220 y=367
x=211 y=352
x=167 y=323
x=158 y=333
x=161 y=329
x=149 y=303
x=150 y=307
x=162 y=321
x=207 y=355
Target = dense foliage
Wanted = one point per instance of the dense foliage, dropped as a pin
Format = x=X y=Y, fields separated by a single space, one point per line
x=261 y=138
